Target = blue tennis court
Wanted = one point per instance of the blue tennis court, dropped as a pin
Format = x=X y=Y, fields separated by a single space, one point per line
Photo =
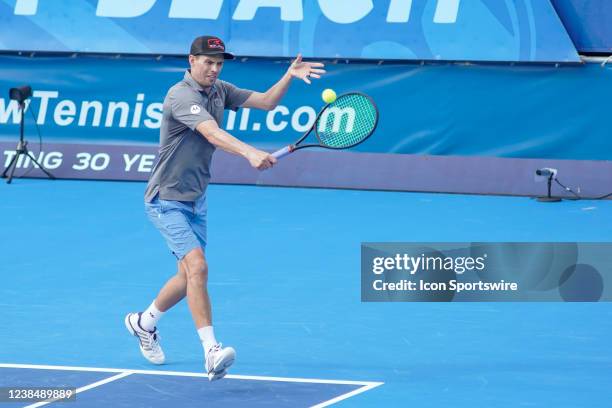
x=285 y=282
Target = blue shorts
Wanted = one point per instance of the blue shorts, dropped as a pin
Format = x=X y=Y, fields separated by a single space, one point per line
x=181 y=223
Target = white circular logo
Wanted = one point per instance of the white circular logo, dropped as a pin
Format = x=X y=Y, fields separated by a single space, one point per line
x=195 y=109
x=218 y=102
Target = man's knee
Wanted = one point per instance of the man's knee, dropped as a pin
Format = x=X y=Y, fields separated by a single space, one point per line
x=195 y=266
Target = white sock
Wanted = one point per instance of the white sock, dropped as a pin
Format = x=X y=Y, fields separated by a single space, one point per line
x=207 y=337
x=149 y=317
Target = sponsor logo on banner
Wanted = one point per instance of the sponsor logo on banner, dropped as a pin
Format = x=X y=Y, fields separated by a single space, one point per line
x=396 y=29
x=50 y=107
x=338 y=11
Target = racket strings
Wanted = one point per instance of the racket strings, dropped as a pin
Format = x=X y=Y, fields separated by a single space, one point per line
x=347 y=121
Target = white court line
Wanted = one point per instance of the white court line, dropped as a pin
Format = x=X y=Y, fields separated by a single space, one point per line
x=347 y=395
x=188 y=374
x=365 y=385
x=85 y=388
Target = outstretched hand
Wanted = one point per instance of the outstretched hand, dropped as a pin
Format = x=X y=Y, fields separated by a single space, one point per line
x=306 y=70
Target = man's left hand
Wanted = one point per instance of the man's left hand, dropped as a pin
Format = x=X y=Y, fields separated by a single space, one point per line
x=306 y=70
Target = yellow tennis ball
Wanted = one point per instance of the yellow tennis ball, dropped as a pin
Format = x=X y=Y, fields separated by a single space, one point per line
x=328 y=95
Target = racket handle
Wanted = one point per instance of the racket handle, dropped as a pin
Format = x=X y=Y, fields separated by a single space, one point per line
x=282 y=152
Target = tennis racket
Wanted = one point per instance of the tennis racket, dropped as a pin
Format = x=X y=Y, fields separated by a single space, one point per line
x=342 y=124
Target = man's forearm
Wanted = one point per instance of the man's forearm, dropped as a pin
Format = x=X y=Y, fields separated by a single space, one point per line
x=223 y=140
x=277 y=91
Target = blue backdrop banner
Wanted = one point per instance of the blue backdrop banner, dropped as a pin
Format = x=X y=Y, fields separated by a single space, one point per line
x=466 y=30
x=434 y=109
x=589 y=23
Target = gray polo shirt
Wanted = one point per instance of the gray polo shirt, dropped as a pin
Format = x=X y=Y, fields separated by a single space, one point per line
x=182 y=171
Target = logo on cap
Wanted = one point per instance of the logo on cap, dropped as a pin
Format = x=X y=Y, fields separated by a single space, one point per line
x=216 y=43
x=195 y=109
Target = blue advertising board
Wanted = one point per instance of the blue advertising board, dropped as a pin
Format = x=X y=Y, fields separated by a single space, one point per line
x=589 y=23
x=434 y=109
x=465 y=30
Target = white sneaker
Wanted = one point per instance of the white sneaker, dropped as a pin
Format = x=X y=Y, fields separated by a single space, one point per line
x=148 y=341
x=218 y=360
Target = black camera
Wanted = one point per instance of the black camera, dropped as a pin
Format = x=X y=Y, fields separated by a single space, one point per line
x=21 y=93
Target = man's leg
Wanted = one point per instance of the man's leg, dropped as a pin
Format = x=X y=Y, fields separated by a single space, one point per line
x=143 y=324
x=173 y=291
x=217 y=359
x=196 y=268
x=172 y=220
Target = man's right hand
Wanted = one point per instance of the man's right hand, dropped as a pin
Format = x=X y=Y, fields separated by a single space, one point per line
x=260 y=160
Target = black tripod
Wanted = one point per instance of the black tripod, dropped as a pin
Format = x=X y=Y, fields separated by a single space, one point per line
x=549 y=198
x=22 y=149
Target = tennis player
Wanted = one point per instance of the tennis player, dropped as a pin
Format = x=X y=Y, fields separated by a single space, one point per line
x=175 y=197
